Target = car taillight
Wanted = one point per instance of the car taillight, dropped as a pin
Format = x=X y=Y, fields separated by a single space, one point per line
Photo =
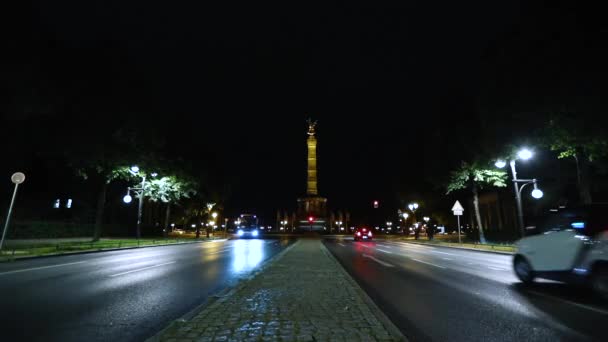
x=369 y=234
x=358 y=233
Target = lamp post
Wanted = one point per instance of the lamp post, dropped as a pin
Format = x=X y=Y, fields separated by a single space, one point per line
x=127 y=199
x=17 y=178
x=413 y=207
x=523 y=154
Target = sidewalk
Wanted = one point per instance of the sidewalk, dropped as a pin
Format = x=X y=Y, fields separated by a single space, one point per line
x=303 y=295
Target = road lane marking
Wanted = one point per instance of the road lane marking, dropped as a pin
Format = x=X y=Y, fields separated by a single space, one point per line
x=428 y=263
x=447 y=258
x=594 y=309
x=341 y=244
x=443 y=253
x=497 y=268
x=41 y=268
x=384 y=250
x=387 y=246
x=142 y=269
x=383 y=263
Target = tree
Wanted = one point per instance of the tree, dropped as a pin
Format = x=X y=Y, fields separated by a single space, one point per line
x=573 y=137
x=105 y=154
x=475 y=177
x=169 y=189
x=102 y=174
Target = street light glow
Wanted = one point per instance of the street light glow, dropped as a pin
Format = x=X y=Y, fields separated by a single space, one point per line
x=500 y=163
x=127 y=198
x=537 y=193
x=135 y=169
x=214 y=215
x=406 y=215
x=524 y=154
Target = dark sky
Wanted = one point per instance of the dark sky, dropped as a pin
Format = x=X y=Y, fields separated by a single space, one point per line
x=395 y=87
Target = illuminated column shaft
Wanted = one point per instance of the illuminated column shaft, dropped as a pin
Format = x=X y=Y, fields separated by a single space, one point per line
x=312 y=166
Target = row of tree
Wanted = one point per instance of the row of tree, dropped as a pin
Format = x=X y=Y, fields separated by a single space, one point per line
x=581 y=138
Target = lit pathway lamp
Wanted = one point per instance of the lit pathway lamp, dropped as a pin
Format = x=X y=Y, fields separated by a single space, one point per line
x=17 y=178
x=519 y=184
x=214 y=215
x=139 y=191
x=405 y=227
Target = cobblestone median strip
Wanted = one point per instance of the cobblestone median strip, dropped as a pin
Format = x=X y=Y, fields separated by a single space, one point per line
x=304 y=295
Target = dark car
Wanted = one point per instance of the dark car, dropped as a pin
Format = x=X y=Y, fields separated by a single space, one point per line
x=363 y=234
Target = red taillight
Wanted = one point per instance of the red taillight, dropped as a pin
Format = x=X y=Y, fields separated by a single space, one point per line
x=369 y=234
x=358 y=233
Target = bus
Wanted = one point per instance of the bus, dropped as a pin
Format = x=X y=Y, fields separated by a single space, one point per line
x=247 y=225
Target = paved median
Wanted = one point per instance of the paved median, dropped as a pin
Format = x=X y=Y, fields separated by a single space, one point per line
x=303 y=295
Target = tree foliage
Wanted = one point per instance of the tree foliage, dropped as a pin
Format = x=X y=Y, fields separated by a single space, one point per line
x=469 y=174
x=169 y=189
x=566 y=135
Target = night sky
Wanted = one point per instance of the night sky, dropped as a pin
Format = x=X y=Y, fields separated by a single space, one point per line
x=400 y=91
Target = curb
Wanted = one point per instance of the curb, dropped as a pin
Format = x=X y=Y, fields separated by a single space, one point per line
x=465 y=248
x=386 y=322
x=29 y=257
x=222 y=294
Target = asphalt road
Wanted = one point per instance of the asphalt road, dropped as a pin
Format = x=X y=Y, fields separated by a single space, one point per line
x=445 y=294
x=120 y=295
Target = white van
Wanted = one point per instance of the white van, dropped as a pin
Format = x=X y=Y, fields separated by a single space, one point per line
x=571 y=245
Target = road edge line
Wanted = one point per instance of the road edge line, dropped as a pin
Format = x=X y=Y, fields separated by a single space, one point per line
x=223 y=294
x=461 y=248
x=29 y=257
x=386 y=322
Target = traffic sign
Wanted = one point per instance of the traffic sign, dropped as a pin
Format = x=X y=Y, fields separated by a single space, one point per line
x=458 y=210
x=457 y=207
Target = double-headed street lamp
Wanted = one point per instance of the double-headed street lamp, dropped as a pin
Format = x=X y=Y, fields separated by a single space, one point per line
x=523 y=154
x=140 y=193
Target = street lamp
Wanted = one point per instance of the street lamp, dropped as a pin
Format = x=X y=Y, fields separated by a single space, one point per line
x=140 y=192
x=17 y=178
x=426 y=219
x=523 y=154
x=413 y=207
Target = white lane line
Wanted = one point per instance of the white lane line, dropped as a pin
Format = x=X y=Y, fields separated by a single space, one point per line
x=142 y=269
x=497 y=268
x=383 y=263
x=387 y=246
x=114 y=259
x=447 y=258
x=341 y=244
x=41 y=268
x=384 y=250
x=428 y=263
x=416 y=246
x=443 y=253
x=588 y=307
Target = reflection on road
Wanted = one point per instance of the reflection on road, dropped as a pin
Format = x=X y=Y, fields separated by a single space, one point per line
x=247 y=254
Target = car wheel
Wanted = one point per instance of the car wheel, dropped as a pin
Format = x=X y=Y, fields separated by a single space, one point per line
x=599 y=281
x=523 y=270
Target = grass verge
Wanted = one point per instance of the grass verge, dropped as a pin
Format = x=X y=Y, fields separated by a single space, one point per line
x=49 y=248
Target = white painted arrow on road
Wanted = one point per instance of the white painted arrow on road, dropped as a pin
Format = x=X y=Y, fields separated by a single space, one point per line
x=378 y=261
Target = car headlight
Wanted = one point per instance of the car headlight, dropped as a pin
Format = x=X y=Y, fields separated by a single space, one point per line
x=240 y=232
x=254 y=233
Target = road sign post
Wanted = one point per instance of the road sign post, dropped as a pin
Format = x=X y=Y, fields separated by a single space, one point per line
x=17 y=178
x=457 y=209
